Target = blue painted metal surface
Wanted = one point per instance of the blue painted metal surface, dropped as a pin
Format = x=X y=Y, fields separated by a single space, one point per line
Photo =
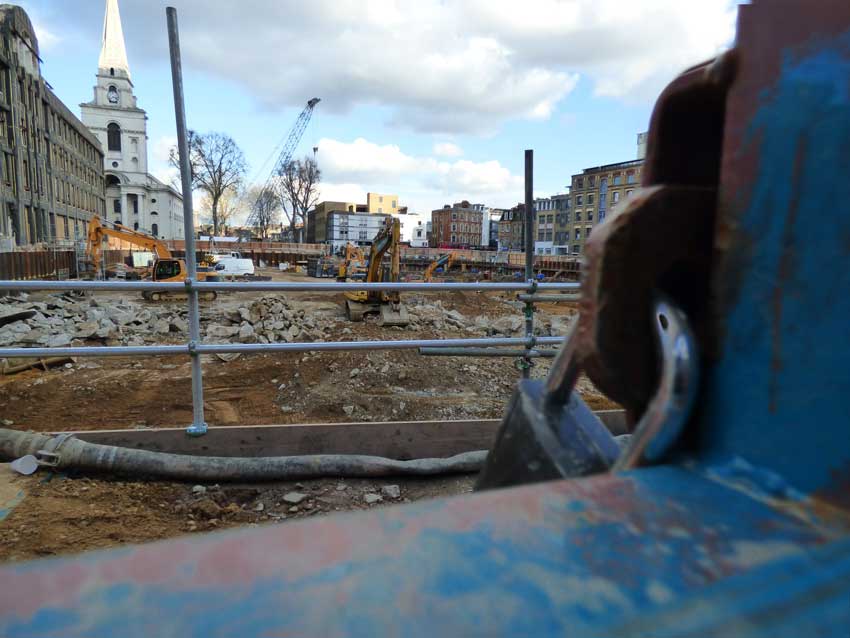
x=747 y=535
x=565 y=558
x=780 y=393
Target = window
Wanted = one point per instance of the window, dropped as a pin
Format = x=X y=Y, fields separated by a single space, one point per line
x=576 y=249
x=590 y=181
x=630 y=177
x=578 y=215
x=155 y=230
x=135 y=225
x=615 y=196
x=454 y=227
x=395 y=204
x=153 y=212
x=579 y=182
x=548 y=236
x=578 y=234
x=540 y=235
x=380 y=209
x=579 y=200
x=618 y=179
x=590 y=215
x=116 y=206
x=454 y=217
x=589 y=199
x=381 y=199
x=629 y=193
x=550 y=218
x=113 y=137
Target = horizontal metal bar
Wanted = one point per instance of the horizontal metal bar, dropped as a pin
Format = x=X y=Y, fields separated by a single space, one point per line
x=486 y=352
x=316 y=346
x=89 y=285
x=548 y=298
x=281 y=286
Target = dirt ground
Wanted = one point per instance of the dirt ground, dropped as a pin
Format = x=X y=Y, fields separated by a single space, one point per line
x=64 y=515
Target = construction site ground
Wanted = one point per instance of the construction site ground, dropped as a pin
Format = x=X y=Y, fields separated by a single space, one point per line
x=57 y=514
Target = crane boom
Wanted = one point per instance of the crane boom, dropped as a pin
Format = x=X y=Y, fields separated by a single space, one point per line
x=286 y=152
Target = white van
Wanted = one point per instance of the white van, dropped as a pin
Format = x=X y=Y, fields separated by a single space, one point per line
x=233 y=267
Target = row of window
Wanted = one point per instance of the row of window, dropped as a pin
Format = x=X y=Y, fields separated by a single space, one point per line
x=616 y=179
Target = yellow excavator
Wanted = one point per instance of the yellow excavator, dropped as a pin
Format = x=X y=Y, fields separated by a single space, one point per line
x=387 y=304
x=444 y=261
x=166 y=268
x=354 y=265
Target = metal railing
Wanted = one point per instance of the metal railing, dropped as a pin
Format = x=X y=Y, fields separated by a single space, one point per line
x=195 y=347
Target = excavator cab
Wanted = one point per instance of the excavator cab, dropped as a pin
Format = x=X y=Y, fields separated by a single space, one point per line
x=169 y=270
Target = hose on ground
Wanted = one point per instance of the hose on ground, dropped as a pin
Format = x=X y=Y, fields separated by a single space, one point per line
x=66 y=453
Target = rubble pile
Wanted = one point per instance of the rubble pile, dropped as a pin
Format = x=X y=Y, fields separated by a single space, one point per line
x=63 y=320
x=267 y=320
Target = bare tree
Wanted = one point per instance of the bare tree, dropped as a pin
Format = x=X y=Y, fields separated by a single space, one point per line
x=230 y=205
x=218 y=165
x=299 y=192
x=265 y=209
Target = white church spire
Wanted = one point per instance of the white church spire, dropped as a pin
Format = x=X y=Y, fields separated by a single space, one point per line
x=113 y=54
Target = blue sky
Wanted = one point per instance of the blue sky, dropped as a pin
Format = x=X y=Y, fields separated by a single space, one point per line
x=435 y=101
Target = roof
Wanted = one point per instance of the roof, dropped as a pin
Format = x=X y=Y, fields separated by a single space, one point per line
x=113 y=54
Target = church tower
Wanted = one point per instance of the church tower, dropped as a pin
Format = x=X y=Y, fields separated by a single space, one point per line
x=133 y=197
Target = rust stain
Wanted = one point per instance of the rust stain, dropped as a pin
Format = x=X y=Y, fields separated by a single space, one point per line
x=786 y=268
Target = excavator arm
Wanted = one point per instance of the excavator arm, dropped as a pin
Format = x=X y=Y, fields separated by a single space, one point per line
x=98 y=232
x=443 y=260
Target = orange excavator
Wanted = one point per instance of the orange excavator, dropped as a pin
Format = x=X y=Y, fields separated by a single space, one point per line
x=354 y=265
x=444 y=261
x=166 y=268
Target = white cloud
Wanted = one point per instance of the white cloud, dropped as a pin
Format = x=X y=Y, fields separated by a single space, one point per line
x=47 y=39
x=447 y=149
x=453 y=67
x=422 y=182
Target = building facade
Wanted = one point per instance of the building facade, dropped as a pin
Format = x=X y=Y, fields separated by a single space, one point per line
x=340 y=223
x=52 y=166
x=458 y=226
x=512 y=229
x=382 y=203
x=550 y=225
x=133 y=196
x=419 y=239
x=594 y=194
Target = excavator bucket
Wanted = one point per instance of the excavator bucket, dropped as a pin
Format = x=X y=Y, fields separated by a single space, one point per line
x=393 y=315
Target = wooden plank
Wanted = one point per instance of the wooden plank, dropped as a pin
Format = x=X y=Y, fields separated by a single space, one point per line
x=398 y=439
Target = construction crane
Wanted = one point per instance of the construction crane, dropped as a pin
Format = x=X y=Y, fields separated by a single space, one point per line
x=285 y=156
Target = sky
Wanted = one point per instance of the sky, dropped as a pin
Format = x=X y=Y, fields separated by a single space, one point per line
x=433 y=100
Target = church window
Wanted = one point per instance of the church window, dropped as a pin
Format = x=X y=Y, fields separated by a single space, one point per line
x=111 y=70
x=113 y=137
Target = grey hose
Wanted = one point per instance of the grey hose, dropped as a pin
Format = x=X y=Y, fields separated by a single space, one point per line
x=71 y=453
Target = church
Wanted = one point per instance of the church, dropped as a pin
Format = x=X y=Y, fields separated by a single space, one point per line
x=134 y=198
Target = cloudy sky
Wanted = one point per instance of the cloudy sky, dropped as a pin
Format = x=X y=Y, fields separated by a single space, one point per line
x=432 y=99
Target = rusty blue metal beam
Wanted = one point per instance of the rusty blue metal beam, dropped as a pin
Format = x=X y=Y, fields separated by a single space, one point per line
x=566 y=558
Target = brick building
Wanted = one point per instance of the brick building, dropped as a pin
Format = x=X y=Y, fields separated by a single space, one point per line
x=458 y=226
x=52 y=165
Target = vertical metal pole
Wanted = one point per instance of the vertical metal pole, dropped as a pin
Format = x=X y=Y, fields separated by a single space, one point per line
x=529 y=258
x=198 y=426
